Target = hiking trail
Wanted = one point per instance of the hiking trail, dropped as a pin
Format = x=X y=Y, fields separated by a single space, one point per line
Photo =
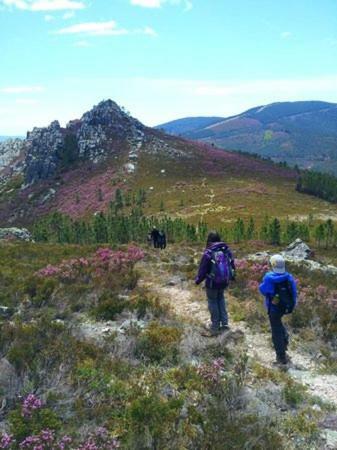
x=188 y=303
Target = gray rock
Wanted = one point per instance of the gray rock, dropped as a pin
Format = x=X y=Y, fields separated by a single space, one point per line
x=9 y=151
x=15 y=233
x=9 y=381
x=297 y=250
x=5 y=312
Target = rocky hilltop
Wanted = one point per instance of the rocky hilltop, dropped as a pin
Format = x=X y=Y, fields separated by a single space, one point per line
x=99 y=134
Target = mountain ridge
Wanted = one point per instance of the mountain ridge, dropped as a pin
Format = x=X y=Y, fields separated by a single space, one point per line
x=303 y=133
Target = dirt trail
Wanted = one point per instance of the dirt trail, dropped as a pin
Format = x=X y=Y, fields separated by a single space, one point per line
x=185 y=304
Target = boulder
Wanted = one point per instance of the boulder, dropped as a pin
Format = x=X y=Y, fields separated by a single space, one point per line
x=15 y=233
x=297 y=250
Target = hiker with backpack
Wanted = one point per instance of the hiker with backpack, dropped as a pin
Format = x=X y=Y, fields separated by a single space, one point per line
x=218 y=268
x=279 y=288
x=155 y=236
x=162 y=240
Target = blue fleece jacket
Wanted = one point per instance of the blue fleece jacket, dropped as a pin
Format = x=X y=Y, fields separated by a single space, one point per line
x=267 y=287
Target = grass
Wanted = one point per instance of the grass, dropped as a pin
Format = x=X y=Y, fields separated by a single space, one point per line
x=135 y=383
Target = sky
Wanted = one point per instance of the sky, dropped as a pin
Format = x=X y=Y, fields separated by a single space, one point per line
x=161 y=59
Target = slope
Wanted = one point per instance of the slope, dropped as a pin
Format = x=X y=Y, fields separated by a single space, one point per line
x=77 y=171
x=303 y=133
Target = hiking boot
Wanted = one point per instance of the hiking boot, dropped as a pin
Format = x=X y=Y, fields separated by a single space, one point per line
x=210 y=332
x=224 y=327
x=282 y=361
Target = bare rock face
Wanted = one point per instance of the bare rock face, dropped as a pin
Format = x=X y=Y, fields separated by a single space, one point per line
x=101 y=132
x=9 y=151
x=43 y=147
x=9 y=381
x=100 y=129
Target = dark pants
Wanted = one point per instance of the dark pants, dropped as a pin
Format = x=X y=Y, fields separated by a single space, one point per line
x=279 y=333
x=217 y=307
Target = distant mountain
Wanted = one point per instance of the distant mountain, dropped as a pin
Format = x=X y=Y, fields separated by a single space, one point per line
x=303 y=133
x=6 y=138
x=189 y=124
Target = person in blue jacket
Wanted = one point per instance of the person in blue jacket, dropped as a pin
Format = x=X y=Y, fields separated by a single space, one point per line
x=269 y=288
x=215 y=287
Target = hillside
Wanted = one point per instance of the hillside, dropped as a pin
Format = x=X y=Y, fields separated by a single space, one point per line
x=77 y=170
x=302 y=133
x=102 y=337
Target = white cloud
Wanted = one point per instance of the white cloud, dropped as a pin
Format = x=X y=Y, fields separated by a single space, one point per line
x=147 y=3
x=147 y=30
x=159 y=3
x=45 y=5
x=26 y=101
x=68 y=15
x=109 y=28
x=48 y=18
x=286 y=34
x=21 y=89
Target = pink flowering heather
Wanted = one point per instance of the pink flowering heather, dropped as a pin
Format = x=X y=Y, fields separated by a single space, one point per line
x=253 y=285
x=321 y=291
x=6 y=440
x=241 y=264
x=212 y=372
x=30 y=404
x=103 y=262
x=64 y=443
x=99 y=440
x=216 y=161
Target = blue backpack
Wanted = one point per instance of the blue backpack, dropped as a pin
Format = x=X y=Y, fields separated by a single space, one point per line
x=221 y=269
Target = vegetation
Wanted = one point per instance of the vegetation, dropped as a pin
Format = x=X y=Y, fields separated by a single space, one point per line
x=143 y=387
x=116 y=228
x=322 y=185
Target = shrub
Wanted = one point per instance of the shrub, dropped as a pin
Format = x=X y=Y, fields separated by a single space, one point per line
x=109 y=305
x=159 y=343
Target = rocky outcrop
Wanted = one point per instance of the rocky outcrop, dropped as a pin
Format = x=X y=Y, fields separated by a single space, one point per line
x=9 y=382
x=104 y=131
x=101 y=130
x=15 y=233
x=43 y=149
x=298 y=252
x=9 y=151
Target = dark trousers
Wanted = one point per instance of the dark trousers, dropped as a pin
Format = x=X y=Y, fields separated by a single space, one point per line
x=279 y=333
x=217 y=307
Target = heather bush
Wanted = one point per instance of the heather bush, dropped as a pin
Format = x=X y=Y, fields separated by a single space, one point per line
x=31 y=418
x=159 y=343
x=109 y=305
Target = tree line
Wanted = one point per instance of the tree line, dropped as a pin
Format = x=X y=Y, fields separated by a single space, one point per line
x=322 y=185
x=115 y=228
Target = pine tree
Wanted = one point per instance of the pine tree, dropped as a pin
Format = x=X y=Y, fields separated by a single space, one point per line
x=275 y=232
x=238 y=230
x=319 y=234
x=250 y=229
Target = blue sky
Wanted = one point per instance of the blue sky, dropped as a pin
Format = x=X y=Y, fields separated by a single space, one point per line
x=161 y=59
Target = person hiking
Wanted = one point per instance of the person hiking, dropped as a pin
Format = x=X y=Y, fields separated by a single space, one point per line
x=161 y=240
x=155 y=236
x=280 y=292
x=217 y=266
